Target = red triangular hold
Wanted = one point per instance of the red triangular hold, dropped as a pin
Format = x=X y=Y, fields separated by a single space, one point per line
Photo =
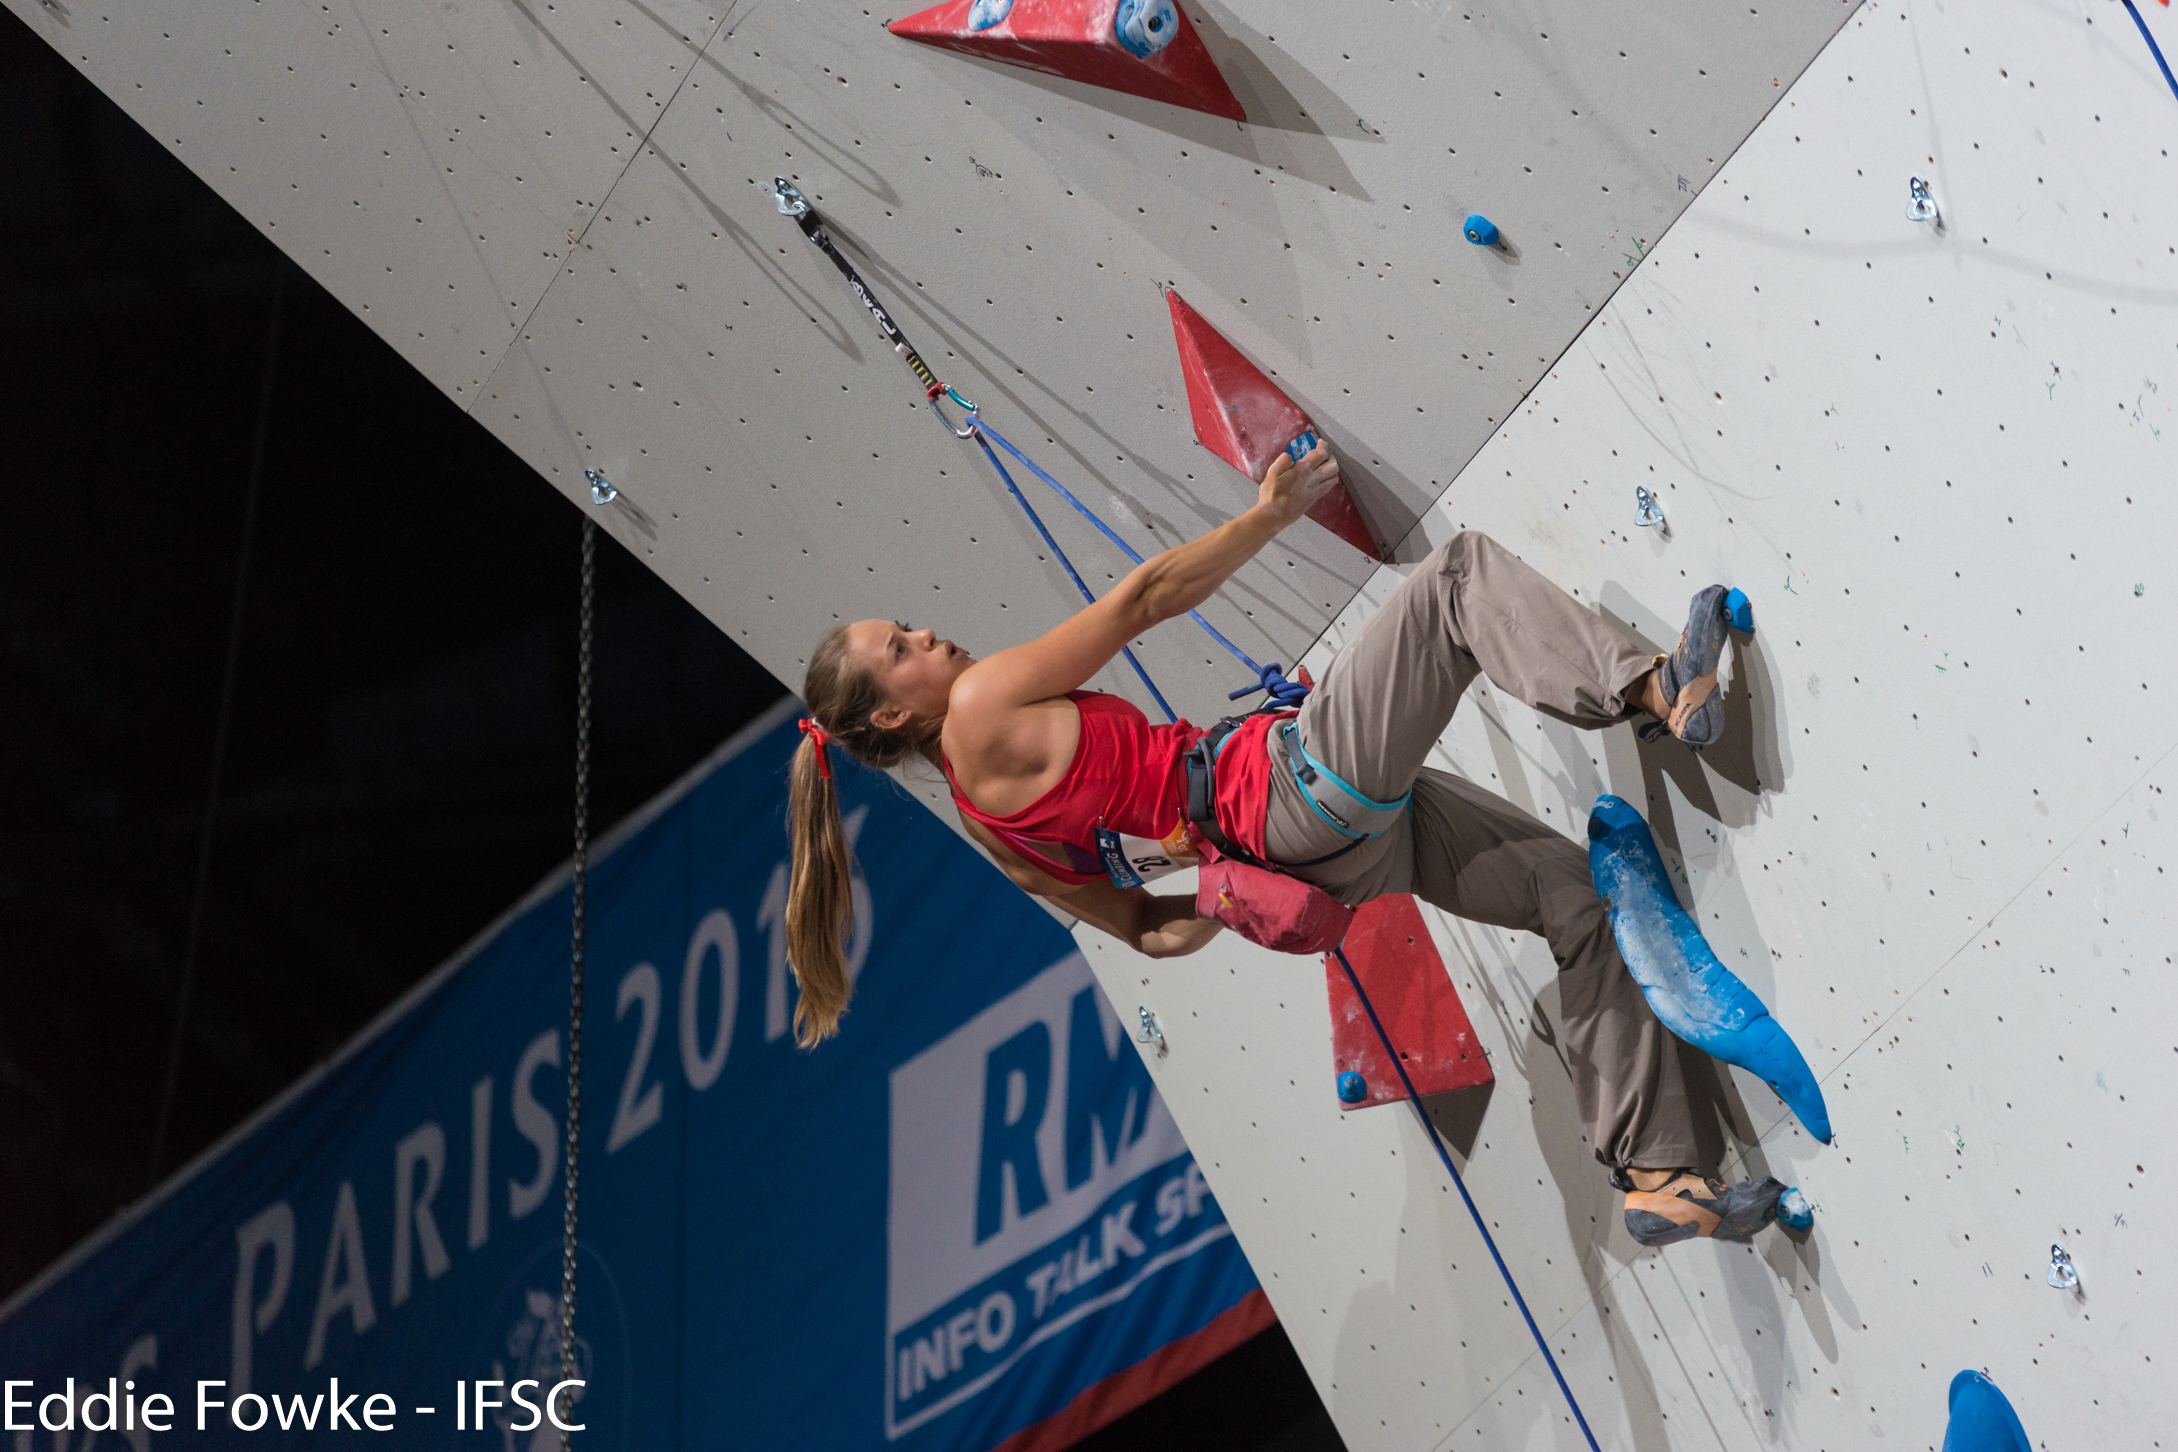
x=1079 y=39
x=1243 y=417
x=1395 y=959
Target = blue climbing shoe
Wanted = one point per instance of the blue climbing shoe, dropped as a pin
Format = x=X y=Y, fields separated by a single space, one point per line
x=1693 y=994
x=1691 y=1206
x=1687 y=679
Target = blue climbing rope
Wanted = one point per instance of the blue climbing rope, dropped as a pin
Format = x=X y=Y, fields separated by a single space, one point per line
x=1429 y=1127
x=1072 y=573
x=1283 y=693
x=2153 y=49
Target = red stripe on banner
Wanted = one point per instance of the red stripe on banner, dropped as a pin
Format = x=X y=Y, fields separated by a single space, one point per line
x=1121 y=1392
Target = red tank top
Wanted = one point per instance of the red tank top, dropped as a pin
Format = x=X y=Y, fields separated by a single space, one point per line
x=1126 y=777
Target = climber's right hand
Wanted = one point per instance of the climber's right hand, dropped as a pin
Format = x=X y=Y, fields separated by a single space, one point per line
x=1290 y=490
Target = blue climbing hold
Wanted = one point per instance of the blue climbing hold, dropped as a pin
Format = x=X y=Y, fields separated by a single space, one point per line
x=1740 y=612
x=1693 y=994
x=986 y=13
x=1302 y=444
x=1794 y=1212
x=1981 y=1419
x=1481 y=230
x=1352 y=1088
x=1147 y=26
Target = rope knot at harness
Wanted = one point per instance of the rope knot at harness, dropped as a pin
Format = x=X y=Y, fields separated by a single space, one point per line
x=823 y=740
x=1283 y=695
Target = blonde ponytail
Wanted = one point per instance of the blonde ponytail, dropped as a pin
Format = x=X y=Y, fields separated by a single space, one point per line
x=820 y=914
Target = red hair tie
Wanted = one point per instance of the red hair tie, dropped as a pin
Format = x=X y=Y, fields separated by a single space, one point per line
x=823 y=738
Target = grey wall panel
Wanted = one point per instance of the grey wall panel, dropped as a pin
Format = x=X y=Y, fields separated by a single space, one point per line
x=839 y=475
x=553 y=98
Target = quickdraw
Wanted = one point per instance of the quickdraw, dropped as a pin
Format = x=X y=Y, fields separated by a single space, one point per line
x=793 y=204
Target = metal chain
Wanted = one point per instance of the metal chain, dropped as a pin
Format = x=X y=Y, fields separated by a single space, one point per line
x=194 y=940
x=568 y=1369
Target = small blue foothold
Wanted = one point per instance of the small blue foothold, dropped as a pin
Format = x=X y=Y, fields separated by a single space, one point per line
x=986 y=13
x=1740 y=611
x=1481 y=230
x=1793 y=1211
x=1302 y=444
x=1352 y=1088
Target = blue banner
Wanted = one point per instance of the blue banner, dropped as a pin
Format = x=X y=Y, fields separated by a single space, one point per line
x=932 y=1233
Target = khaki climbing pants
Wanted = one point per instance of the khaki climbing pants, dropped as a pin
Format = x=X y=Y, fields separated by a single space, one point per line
x=1471 y=608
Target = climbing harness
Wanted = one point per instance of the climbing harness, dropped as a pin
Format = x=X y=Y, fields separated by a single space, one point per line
x=1263 y=901
x=1363 y=818
x=580 y=884
x=1307 y=917
x=2153 y=48
x=1200 y=764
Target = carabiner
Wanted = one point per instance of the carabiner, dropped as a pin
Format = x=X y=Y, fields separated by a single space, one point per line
x=950 y=392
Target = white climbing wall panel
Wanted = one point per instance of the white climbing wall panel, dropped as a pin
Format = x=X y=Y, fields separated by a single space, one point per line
x=1935 y=458
x=1933 y=841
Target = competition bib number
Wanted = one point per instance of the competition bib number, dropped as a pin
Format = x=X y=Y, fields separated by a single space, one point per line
x=1132 y=861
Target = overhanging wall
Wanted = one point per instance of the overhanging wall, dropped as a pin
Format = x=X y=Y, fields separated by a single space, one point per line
x=575 y=203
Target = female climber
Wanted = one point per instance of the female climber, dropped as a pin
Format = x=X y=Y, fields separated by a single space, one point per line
x=1074 y=793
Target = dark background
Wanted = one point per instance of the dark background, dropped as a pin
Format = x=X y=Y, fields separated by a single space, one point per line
x=396 y=766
